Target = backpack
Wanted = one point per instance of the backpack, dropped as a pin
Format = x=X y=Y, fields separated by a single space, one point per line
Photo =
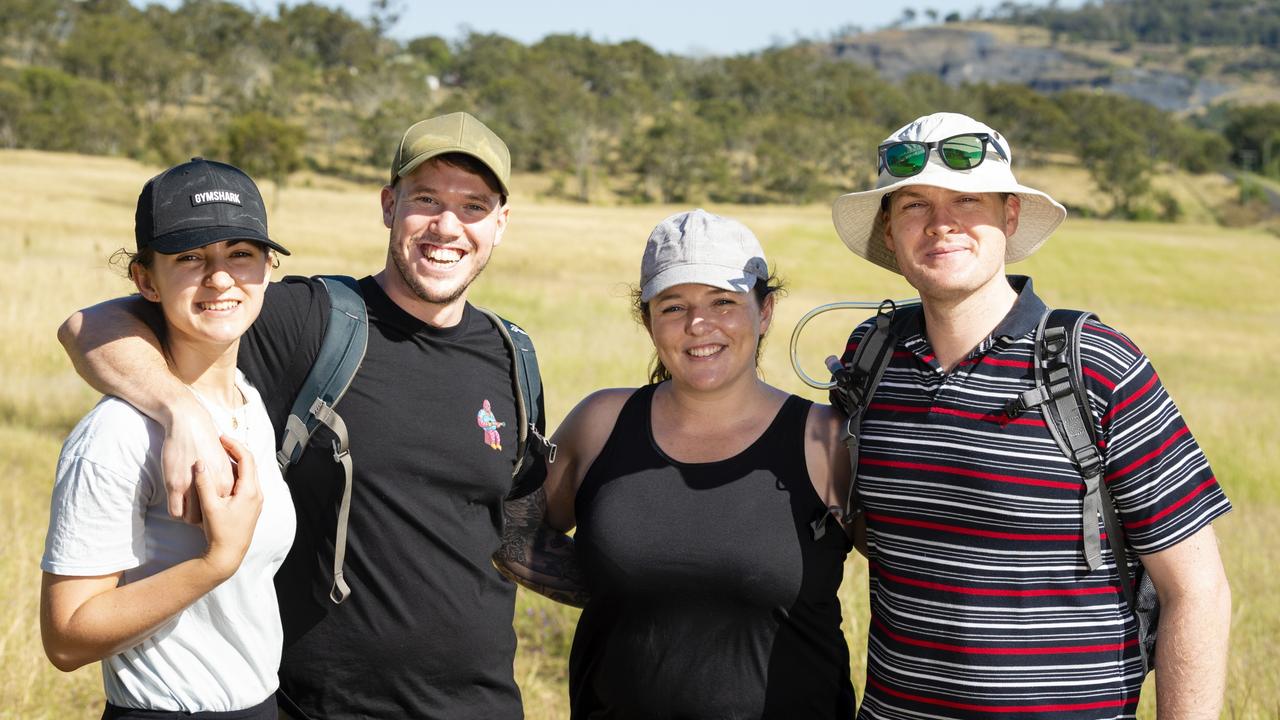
x=342 y=350
x=1060 y=393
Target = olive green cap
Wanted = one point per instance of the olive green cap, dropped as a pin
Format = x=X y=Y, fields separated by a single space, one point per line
x=454 y=133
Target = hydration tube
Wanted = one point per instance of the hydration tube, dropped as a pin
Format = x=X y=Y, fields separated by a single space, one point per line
x=844 y=305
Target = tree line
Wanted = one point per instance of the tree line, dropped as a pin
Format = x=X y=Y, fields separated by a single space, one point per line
x=315 y=87
x=1240 y=23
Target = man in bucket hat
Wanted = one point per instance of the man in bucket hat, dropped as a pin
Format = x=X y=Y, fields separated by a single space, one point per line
x=982 y=603
x=426 y=631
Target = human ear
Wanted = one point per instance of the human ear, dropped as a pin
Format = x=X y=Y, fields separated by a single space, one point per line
x=766 y=313
x=504 y=213
x=1012 y=211
x=142 y=280
x=388 y=205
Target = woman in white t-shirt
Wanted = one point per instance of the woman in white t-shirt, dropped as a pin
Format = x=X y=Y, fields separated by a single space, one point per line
x=183 y=617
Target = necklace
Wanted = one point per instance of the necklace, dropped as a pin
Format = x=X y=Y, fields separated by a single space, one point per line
x=236 y=417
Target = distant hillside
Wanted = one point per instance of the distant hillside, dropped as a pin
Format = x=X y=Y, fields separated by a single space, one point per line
x=1188 y=23
x=1171 y=77
x=309 y=87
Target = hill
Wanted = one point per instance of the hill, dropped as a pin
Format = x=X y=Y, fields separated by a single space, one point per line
x=1170 y=77
x=310 y=88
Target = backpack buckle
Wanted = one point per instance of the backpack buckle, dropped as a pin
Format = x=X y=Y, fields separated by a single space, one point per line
x=1088 y=459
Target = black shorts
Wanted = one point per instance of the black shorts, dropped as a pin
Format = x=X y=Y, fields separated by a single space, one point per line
x=266 y=710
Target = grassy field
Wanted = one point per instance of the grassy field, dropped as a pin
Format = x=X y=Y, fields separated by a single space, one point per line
x=1194 y=297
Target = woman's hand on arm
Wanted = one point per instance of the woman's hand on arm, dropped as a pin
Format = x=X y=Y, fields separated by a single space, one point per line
x=86 y=619
x=114 y=348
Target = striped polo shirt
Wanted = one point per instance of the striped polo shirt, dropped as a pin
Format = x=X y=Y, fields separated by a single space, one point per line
x=982 y=605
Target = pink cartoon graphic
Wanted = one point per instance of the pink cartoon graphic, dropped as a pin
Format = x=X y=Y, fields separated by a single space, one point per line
x=490 y=425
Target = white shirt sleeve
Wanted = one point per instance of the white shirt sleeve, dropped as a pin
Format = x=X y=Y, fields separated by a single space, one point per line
x=100 y=495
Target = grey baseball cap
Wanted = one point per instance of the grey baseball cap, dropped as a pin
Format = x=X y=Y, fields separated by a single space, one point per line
x=698 y=247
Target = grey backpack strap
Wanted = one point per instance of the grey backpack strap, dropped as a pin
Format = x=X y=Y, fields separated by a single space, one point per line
x=1066 y=411
x=1061 y=392
x=346 y=336
x=528 y=395
x=855 y=386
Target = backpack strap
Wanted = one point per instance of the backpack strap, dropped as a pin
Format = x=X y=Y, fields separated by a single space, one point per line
x=855 y=386
x=346 y=335
x=1060 y=390
x=1062 y=399
x=528 y=396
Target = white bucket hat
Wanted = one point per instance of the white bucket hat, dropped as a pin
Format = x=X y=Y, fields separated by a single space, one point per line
x=859 y=221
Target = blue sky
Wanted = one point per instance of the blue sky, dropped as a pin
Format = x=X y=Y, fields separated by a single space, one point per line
x=676 y=26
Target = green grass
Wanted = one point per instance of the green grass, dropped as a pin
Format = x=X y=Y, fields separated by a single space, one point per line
x=1197 y=298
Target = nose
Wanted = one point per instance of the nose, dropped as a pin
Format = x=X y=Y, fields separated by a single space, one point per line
x=447 y=224
x=941 y=221
x=696 y=322
x=219 y=278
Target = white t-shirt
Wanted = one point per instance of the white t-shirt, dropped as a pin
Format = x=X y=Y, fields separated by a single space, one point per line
x=109 y=514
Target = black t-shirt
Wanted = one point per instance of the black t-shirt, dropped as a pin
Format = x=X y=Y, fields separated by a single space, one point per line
x=426 y=632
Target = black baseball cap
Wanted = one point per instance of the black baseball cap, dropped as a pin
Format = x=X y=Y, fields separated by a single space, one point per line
x=199 y=203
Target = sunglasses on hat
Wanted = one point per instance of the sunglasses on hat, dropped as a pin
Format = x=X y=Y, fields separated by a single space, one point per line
x=905 y=158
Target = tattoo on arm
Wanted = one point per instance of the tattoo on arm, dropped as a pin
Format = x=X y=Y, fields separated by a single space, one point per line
x=538 y=556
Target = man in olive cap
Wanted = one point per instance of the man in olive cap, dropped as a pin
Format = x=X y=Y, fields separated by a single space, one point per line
x=423 y=628
x=994 y=589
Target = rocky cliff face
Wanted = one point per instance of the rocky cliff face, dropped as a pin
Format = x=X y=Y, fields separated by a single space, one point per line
x=963 y=55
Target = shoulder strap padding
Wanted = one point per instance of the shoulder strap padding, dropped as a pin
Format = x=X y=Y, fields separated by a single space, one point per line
x=346 y=336
x=1070 y=422
x=342 y=349
x=528 y=396
x=855 y=386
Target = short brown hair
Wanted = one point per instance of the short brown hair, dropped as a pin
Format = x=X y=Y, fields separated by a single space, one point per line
x=473 y=165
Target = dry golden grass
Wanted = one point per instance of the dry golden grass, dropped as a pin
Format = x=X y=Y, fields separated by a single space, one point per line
x=1197 y=298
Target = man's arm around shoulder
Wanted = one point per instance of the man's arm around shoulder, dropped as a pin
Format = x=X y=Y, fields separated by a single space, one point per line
x=538 y=556
x=114 y=347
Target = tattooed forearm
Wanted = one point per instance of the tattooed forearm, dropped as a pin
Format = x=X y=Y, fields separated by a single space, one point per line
x=537 y=556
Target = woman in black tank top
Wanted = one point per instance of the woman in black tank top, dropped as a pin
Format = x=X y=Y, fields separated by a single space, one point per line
x=701 y=502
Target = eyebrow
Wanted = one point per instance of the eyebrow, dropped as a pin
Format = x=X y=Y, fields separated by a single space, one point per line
x=433 y=191
x=668 y=294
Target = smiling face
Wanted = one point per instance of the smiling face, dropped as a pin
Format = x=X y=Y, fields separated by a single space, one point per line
x=950 y=245
x=444 y=222
x=210 y=295
x=707 y=337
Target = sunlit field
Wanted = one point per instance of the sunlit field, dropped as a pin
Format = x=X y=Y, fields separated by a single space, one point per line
x=1195 y=297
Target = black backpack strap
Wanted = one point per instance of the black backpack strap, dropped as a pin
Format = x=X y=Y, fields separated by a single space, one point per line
x=1065 y=405
x=528 y=396
x=346 y=335
x=855 y=386
x=1060 y=389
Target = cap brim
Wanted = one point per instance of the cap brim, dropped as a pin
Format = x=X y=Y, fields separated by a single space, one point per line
x=417 y=161
x=183 y=240
x=717 y=276
x=860 y=224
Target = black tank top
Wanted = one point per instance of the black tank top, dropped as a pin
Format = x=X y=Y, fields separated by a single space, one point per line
x=710 y=598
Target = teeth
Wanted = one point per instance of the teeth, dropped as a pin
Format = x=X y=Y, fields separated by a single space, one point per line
x=220 y=305
x=705 y=350
x=443 y=254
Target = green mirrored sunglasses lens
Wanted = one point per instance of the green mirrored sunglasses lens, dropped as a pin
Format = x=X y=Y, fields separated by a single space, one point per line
x=906 y=158
x=962 y=153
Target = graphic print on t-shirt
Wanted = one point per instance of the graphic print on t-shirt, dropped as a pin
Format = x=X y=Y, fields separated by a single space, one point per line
x=490 y=425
